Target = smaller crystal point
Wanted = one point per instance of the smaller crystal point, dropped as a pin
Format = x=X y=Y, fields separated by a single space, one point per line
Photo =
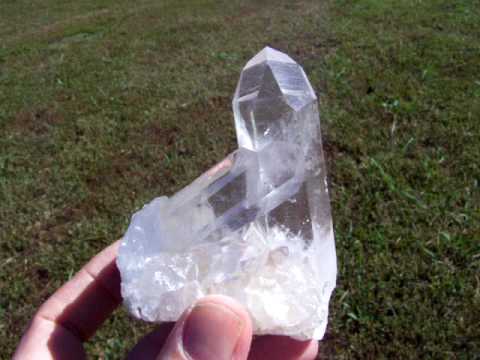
x=256 y=227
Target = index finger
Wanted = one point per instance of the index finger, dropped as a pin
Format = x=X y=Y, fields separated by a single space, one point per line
x=75 y=311
x=82 y=304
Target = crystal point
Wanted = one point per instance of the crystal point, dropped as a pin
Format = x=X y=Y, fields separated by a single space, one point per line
x=256 y=227
x=268 y=54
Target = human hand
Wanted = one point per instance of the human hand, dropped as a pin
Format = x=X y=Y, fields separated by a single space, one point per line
x=216 y=327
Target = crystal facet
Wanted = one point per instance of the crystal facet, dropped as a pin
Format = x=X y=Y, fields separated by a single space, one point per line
x=256 y=227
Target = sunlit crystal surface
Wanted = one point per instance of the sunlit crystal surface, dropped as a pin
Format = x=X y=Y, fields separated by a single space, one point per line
x=256 y=227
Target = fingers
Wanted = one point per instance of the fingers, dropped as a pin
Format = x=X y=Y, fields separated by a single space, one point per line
x=282 y=347
x=216 y=328
x=210 y=330
x=75 y=311
x=83 y=303
x=45 y=340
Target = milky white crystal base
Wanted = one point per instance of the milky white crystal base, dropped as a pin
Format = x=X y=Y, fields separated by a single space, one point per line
x=270 y=273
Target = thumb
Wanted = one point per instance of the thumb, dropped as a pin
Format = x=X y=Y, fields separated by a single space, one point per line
x=216 y=328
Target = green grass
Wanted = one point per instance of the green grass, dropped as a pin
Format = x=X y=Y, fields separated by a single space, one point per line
x=106 y=104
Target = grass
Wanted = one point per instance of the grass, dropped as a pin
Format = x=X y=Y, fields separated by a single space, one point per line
x=104 y=105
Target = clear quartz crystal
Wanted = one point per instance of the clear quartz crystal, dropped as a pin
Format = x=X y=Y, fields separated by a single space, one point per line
x=256 y=227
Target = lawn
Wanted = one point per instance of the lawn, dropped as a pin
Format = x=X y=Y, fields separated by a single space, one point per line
x=107 y=104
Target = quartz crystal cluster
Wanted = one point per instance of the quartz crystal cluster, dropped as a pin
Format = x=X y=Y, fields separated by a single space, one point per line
x=256 y=227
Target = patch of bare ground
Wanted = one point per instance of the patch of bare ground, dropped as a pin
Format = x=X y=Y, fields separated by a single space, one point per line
x=37 y=121
x=45 y=31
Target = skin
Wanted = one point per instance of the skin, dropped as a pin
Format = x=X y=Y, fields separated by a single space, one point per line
x=216 y=327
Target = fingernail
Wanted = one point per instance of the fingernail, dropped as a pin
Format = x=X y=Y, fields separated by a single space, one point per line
x=211 y=331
